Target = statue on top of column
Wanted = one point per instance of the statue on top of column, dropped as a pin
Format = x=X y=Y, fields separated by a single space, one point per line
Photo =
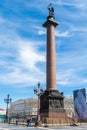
x=51 y=10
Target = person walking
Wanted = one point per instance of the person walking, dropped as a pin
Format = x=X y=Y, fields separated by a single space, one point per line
x=16 y=121
x=28 y=121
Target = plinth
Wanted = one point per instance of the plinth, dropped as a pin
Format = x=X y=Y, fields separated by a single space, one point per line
x=52 y=107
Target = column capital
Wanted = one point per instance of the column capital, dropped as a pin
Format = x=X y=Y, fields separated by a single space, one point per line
x=50 y=21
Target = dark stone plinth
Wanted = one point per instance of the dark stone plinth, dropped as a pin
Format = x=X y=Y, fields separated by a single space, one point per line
x=52 y=106
x=51 y=101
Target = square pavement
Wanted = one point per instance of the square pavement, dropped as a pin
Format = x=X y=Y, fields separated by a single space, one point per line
x=4 y=126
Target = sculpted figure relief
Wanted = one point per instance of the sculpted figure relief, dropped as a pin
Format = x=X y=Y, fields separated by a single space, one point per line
x=55 y=104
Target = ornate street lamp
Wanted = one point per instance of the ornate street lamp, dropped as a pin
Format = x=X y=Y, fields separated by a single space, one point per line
x=38 y=91
x=7 y=100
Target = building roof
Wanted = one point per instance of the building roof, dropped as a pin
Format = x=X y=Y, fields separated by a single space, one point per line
x=1 y=109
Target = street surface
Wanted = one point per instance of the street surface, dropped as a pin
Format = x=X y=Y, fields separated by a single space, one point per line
x=14 y=127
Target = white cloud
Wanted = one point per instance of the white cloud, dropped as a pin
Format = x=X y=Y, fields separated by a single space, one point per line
x=62 y=34
x=78 y=29
x=57 y=33
x=19 y=57
x=41 y=32
x=71 y=69
x=29 y=56
x=75 y=3
x=24 y=70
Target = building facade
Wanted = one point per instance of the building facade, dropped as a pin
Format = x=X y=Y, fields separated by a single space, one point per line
x=23 y=107
x=69 y=106
x=2 y=114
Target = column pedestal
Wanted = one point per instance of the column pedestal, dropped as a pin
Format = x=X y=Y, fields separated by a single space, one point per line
x=52 y=107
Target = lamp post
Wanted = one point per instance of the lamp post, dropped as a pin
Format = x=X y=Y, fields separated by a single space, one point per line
x=38 y=91
x=7 y=100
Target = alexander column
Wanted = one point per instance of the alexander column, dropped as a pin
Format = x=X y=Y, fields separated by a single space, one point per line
x=50 y=24
x=51 y=101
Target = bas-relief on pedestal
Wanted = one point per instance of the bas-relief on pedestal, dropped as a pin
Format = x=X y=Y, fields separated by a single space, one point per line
x=51 y=101
x=52 y=106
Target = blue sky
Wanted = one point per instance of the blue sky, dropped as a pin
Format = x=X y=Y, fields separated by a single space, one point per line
x=23 y=46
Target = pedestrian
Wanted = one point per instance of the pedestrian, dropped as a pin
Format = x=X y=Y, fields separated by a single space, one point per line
x=9 y=120
x=36 y=123
x=28 y=121
x=16 y=121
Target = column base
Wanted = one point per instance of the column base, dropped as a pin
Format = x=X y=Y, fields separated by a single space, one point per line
x=52 y=107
